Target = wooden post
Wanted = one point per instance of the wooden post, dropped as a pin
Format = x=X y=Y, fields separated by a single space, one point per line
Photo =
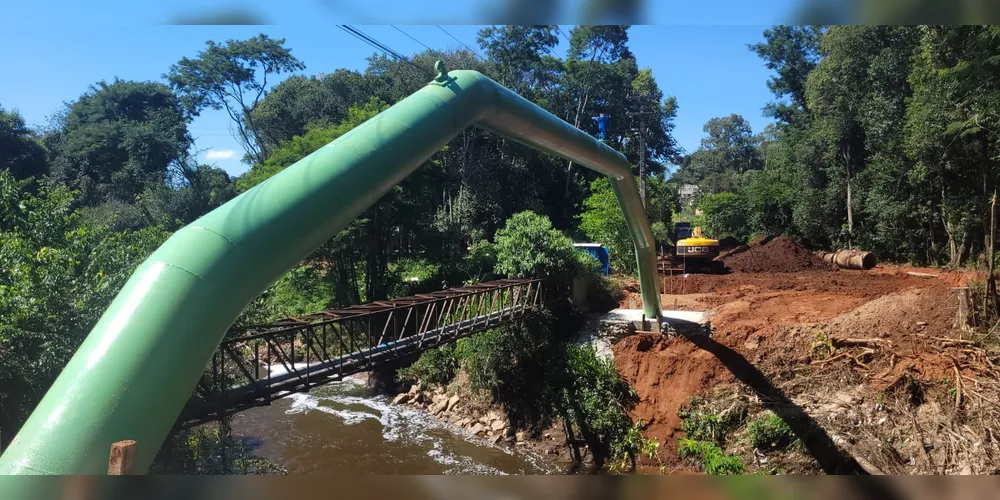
x=122 y=458
x=962 y=318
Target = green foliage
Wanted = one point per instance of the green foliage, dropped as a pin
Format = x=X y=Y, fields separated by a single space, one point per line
x=233 y=76
x=434 y=367
x=301 y=146
x=56 y=278
x=303 y=290
x=596 y=399
x=702 y=422
x=711 y=458
x=603 y=222
x=725 y=216
x=412 y=275
x=21 y=151
x=769 y=432
x=119 y=138
x=631 y=447
x=528 y=246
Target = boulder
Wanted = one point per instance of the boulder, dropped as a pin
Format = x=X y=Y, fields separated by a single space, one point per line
x=452 y=401
x=478 y=428
x=439 y=407
x=414 y=389
x=497 y=439
x=400 y=398
x=498 y=425
x=462 y=422
x=437 y=398
x=521 y=436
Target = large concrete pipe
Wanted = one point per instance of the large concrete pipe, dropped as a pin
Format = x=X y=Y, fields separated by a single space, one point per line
x=851 y=259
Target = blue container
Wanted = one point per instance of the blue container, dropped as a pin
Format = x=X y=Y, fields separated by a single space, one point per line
x=599 y=252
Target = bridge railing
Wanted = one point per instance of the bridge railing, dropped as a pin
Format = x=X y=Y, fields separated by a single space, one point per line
x=265 y=362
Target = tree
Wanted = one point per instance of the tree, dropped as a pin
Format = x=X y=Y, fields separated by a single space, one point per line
x=792 y=52
x=20 y=150
x=528 y=247
x=119 y=138
x=726 y=154
x=299 y=103
x=56 y=278
x=517 y=51
x=233 y=76
x=725 y=216
x=603 y=222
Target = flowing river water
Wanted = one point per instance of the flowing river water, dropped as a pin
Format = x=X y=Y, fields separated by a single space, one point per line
x=342 y=428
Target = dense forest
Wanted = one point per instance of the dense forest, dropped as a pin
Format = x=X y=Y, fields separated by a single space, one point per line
x=884 y=138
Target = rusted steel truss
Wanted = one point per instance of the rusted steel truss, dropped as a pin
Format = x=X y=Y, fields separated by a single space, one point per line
x=259 y=364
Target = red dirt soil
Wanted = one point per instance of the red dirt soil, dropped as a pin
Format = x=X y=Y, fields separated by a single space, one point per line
x=777 y=255
x=771 y=317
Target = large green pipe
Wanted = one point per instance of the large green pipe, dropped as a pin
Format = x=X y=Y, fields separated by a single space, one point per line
x=137 y=368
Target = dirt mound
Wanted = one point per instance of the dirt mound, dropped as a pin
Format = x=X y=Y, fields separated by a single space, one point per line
x=775 y=255
x=901 y=316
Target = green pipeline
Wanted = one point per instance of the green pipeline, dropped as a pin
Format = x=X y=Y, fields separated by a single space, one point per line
x=133 y=374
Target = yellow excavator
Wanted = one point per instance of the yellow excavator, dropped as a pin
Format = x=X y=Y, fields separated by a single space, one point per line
x=692 y=251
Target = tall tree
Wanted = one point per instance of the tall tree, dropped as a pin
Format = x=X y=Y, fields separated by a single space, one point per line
x=729 y=150
x=21 y=151
x=792 y=52
x=234 y=76
x=118 y=138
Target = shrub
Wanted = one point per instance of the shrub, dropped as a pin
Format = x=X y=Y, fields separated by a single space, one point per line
x=710 y=457
x=528 y=246
x=632 y=446
x=434 y=367
x=769 y=432
x=704 y=423
x=596 y=399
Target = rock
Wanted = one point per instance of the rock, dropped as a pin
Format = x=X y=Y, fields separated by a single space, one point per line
x=498 y=425
x=439 y=390
x=520 y=435
x=483 y=420
x=462 y=422
x=414 y=389
x=437 y=398
x=439 y=407
x=452 y=401
x=476 y=429
x=497 y=439
x=548 y=436
x=400 y=398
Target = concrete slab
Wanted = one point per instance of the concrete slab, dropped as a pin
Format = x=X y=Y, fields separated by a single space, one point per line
x=602 y=331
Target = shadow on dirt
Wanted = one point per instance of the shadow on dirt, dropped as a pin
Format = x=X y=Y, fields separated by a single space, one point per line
x=815 y=439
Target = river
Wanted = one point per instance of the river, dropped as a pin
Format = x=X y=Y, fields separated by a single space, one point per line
x=342 y=428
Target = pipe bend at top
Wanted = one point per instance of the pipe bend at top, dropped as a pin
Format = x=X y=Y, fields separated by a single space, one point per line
x=133 y=373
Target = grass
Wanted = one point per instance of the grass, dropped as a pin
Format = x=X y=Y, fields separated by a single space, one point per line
x=710 y=458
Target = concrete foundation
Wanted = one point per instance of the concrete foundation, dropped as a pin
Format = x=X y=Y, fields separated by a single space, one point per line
x=601 y=332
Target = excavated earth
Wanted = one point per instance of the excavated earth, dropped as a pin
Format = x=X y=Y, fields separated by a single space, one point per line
x=787 y=325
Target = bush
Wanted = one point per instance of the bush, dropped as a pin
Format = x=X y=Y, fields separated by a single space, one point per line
x=769 y=432
x=434 y=367
x=710 y=457
x=528 y=247
x=596 y=399
x=704 y=423
x=209 y=450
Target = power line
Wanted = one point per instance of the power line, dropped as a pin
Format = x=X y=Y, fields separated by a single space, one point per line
x=561 y=32
x=379 y=45
x=411 y=38
x=461 y=42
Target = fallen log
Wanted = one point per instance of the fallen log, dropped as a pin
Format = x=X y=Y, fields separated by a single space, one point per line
x=850 y=259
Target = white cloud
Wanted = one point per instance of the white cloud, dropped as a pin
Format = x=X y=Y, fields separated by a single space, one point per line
x=220 y=154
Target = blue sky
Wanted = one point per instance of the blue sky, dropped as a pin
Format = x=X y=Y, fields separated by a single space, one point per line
x=708 y=68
